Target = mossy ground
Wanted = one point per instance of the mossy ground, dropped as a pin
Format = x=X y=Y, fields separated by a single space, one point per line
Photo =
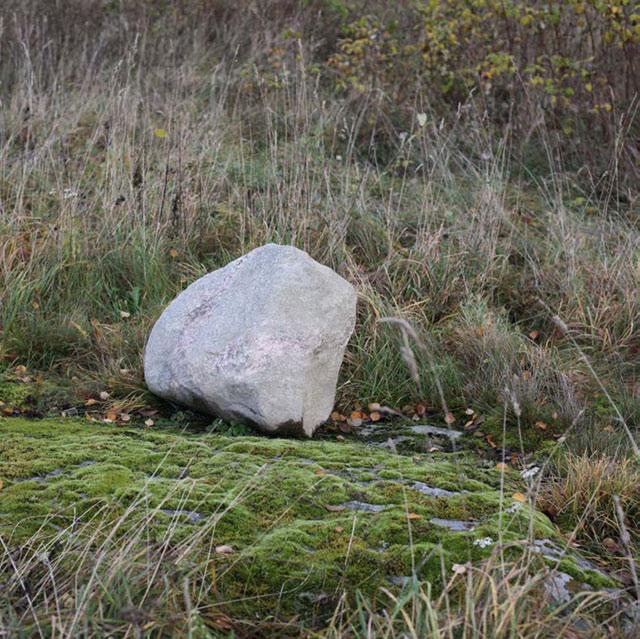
x=279 y=503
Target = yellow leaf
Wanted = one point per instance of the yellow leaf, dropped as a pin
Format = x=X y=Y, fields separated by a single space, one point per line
x=414 y=516
x=173 y=253
x=160 y=133
x=502 y=466
x=91 y=402
x=519 y=497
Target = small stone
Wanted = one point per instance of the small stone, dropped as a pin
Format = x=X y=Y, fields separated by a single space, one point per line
x=224 y=550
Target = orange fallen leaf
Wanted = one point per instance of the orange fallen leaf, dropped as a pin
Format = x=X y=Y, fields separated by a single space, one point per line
x=339 y=529
x=501 y=466
x=414 y=516
x=541 y=425
x=491 y=442
x=91 y=402
x=111 y=416
x=522 y=498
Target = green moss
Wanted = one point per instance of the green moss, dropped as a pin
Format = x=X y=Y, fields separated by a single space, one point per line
x=282 y=504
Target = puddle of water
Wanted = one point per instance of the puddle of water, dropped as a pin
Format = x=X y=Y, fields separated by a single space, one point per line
x=426 y=429
x=193 y=517
x=363 y=506
x=432 y=491
x=454 y=524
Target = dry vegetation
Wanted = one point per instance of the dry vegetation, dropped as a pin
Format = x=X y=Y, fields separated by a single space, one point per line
x=474 y=172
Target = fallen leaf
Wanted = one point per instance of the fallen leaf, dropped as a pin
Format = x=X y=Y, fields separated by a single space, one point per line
x=104 y=395
x=337 y=417
x=173 y=253
x=319 y=472
x=373 y=407
x=522 y=498
x=469 y=411
x=339 y=529
x=340 y=438
x=20 y=370
x=501 y=466
x=220 y=621
x=91 y=402
x=160 y=133
x=334 y=508
x=541 y=425
x=414 y=516
x=375 y=416
x=1 y=484
x=449 y=419
x=149 y=422
x=224 y=550
x=124 y=417
x=534 y=335
x=356 y=414
x=491 y=442
x=422 y=119
x=459 y=569
x=124 y=315
x=112 y=416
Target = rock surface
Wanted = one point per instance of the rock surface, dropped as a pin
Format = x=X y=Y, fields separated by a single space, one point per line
x=259 y=341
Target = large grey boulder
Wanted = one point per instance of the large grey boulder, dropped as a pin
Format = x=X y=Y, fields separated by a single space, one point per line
x=259 y=341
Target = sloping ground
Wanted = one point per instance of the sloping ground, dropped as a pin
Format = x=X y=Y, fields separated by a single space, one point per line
x=267 y=527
